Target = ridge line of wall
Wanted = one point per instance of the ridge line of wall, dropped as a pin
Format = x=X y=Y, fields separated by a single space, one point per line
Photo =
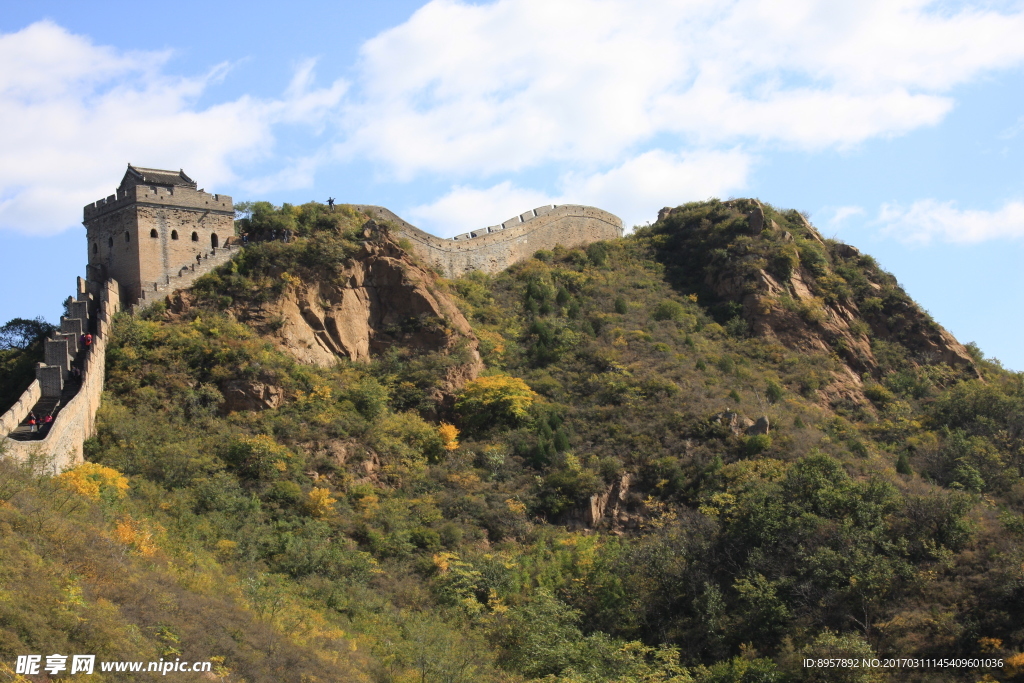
x=571 y=225
x=62 y=447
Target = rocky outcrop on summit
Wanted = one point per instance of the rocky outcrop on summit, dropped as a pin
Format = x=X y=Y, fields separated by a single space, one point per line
x=379 y=299
x=809 y=294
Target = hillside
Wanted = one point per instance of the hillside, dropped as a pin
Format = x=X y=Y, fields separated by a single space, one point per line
x=703 y=452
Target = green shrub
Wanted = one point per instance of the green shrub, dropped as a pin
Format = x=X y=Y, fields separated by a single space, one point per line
x=757 y=443
x=669 y=310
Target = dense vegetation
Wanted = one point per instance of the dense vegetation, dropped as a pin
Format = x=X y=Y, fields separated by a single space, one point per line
x=357 y=533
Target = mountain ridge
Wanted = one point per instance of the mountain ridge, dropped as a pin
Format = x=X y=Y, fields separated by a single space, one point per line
x=655 y=475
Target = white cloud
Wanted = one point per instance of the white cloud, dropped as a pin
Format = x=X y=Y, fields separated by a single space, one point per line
x=465 y=208
x=74 y=113
x=637 y=188
x=841 y=213
x=928 y=220
x=634 y=191
x=501 y=87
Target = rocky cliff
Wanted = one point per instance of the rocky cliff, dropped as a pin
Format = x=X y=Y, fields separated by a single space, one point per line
x=776 y=273
x=378 y=298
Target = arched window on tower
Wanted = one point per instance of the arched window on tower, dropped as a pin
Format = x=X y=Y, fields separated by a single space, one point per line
x=95 y=247
x=152 y=233
x=214 y=242
x=195 y=237
x=127 y=236
x=174 y=234
x=110 y=242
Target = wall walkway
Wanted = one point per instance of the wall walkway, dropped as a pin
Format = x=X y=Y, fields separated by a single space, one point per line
x=497 y=247
x=187 y=274
x=61 y=447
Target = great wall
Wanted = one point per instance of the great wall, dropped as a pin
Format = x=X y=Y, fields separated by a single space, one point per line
x=497 y=247
x=90 y=312
x=159 y=233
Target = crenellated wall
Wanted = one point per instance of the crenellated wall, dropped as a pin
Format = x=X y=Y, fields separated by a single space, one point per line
x=143 y=235
x=185 y=275
x=62 y=447
x=497 y=247
x=19 y=411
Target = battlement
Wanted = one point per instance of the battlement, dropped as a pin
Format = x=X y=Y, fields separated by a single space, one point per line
x=510 y=223
x=494 y=248
x=55 y=391
x=160 y=196
x=155 y=224
x=185 y=275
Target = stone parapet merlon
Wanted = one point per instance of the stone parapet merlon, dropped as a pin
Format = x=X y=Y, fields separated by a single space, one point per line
x=157 y=196
x=62 y=446
x=497 y=247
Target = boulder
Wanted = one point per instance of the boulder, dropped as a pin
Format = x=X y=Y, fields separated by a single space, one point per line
x=241 y=394
x=756 y=217
x=759 y=427
x=736 y=423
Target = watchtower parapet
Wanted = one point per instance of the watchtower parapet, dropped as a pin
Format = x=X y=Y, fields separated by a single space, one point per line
x=155 y=224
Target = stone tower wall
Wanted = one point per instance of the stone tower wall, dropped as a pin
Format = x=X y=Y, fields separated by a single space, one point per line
x=144 y=235
x=497 y=247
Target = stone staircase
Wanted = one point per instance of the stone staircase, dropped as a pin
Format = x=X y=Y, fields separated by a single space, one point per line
x=48 y=405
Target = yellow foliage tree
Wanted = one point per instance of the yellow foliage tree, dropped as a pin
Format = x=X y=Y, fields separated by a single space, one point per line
x=94 y=481
x=449 y=436
x=495 y=399
x=135 y=533
x=319 y=503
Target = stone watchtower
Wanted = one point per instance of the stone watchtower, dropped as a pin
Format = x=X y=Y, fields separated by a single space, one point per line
x=152 y=229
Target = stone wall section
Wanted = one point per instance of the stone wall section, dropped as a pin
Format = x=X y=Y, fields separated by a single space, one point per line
x=186 y=275
x=62 y=449
x=497 y=247
x=19 y=411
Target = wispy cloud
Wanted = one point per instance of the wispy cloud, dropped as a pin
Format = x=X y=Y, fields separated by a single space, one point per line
x=75 y=112
x=623 y=105
x=929 y=220
x=630 y=190
x=500 y=87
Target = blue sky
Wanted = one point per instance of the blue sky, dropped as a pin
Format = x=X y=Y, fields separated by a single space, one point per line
x=898 y=125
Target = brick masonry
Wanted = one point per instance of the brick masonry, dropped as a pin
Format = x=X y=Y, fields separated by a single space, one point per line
x=497 y=247
x=62 y=447
x=145 y=235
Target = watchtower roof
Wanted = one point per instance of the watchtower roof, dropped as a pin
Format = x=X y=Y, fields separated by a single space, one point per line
x=137 y=175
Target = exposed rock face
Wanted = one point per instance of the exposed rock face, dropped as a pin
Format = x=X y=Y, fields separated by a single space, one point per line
x=760 y=427
x=769 y=319
x=756 y=217
x=813 y=325
x=805 y=309
x=617 y=509
x=379 y=299
x=736 y=423
x=240 y=394
x=740 y=425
